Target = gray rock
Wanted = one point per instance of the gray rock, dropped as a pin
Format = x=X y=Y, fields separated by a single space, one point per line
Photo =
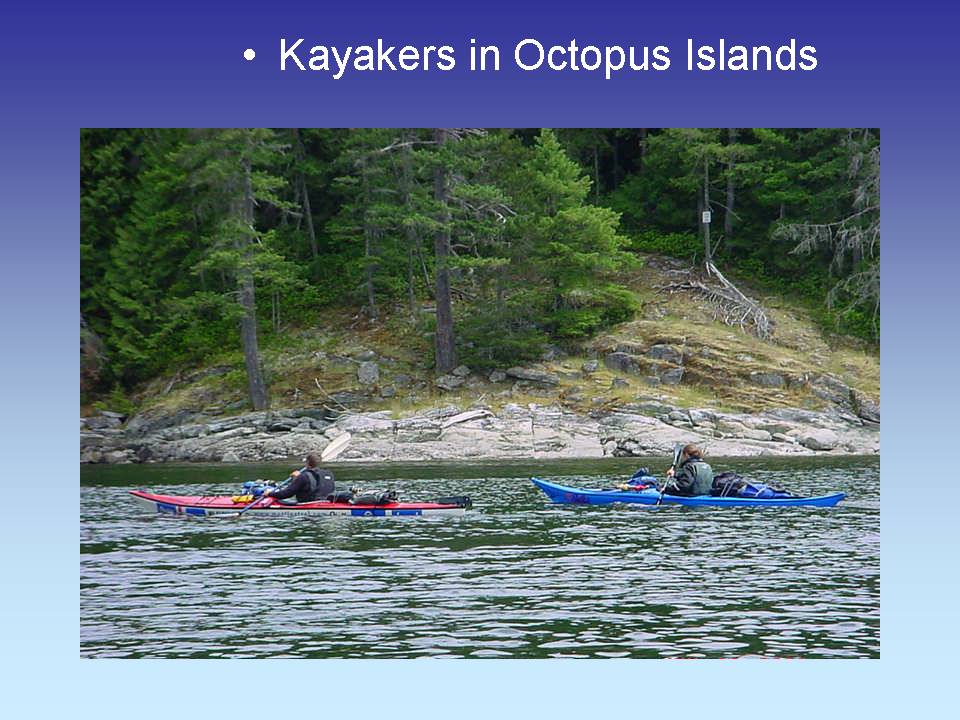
x=448 y=382
x=590 y=366
x=619 y=383
x=537 y=376
x=120 y=456
x=621 y=362
x=102 y=422
x=667 y=353
x=678 y=416
x=651 y=380
x=650 y=407
x=832 y=389
x=114 y=415
x=368 y=373
x=768 y=379
x=864 y=407
x=366 y=355
x=781 y=437
x=731 y=427
x=461 y=371
x=673 y=376
x=702 y=417
x=230 y=457
x=388 y=392
x=283 y=424
x=497 y=376
x=552 y=352
x=402 y=380
x=753 y=434
x=821 y=439
x=347 y=398
x=417 y=430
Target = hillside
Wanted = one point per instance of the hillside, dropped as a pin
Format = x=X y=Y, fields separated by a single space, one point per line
x=674 y=357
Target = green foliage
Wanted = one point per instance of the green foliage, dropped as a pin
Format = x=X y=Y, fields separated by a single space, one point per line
x=681 y=245
x=116 y=401
x=500 y=338
x=541 y=223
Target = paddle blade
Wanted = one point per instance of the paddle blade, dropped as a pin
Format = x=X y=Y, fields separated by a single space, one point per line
x=336 y=446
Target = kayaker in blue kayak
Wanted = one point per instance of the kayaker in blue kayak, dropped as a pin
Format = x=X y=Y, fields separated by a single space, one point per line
x=691 y=475
x=307 y=484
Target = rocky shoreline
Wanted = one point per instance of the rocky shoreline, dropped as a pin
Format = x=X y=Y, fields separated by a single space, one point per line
x=548 y=431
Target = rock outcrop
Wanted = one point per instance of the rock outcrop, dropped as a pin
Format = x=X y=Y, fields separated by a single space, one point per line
x=450 y=433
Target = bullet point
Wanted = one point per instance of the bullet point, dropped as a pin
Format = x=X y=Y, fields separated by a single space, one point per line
x=249 y=54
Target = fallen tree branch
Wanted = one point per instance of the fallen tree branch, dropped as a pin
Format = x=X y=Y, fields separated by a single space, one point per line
x=730 y=305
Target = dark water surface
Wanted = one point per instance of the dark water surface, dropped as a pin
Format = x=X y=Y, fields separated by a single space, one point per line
x=517 y=577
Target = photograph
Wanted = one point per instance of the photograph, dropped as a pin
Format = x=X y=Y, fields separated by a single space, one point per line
x=479 y=393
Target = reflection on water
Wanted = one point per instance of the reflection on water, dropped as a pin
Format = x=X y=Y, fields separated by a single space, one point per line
x=517 y=577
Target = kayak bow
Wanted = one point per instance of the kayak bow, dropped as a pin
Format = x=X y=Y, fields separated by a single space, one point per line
x=203 y=505
x=587 y=496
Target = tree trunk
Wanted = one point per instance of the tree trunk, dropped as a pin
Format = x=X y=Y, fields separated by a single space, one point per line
x=248 y=299
x=446 y=357
x=728 y=214
x=369 y=247
x=412 y=236
x=596 y=171
x=305 y=195
x=707 y=251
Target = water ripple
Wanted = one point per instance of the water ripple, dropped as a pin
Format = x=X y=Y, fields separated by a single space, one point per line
x=516 y=578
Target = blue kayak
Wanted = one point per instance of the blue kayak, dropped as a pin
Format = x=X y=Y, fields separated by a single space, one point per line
x=595 y=496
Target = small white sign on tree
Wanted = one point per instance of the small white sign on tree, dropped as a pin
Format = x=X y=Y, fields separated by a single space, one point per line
x=706 y=217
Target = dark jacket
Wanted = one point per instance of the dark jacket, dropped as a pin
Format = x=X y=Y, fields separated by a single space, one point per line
x=693 y=477
x=311 y=484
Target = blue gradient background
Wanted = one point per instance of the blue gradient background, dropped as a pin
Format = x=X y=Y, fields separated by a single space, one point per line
x=179 y=64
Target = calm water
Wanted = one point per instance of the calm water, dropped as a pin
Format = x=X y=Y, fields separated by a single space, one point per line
x=517 y=577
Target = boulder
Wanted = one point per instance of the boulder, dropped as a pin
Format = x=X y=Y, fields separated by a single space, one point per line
x=283 y=424
x=768 y=379
x=365 y=355
x=388 y=392
x=667 y=353
x=753 y=434
x=368 y=373
x=590 y=366
x=702 y=417
x=621 y=362
x=673 y=376
x=537 y=376
x=461 y=371
x=497 y=376
x=230 y=457
x=864 y=407
x=101 y=422
x=820 y=439
x=832 y=389
x=402 y=380
x=448 y=382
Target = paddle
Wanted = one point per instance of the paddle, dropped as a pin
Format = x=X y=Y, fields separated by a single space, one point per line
x=677 y=450
x=334 y=448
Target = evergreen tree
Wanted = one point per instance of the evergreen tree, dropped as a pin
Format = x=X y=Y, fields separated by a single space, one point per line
x=571 y=247
x=233 y=169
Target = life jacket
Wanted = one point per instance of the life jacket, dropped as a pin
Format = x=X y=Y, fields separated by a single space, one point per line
x=321 y=483
x=703 y=477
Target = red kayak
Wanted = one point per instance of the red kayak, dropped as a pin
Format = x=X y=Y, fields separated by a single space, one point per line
x=202 y=505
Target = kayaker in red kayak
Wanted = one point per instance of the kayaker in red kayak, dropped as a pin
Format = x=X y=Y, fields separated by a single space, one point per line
x=691 y=476
x=307 y=484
